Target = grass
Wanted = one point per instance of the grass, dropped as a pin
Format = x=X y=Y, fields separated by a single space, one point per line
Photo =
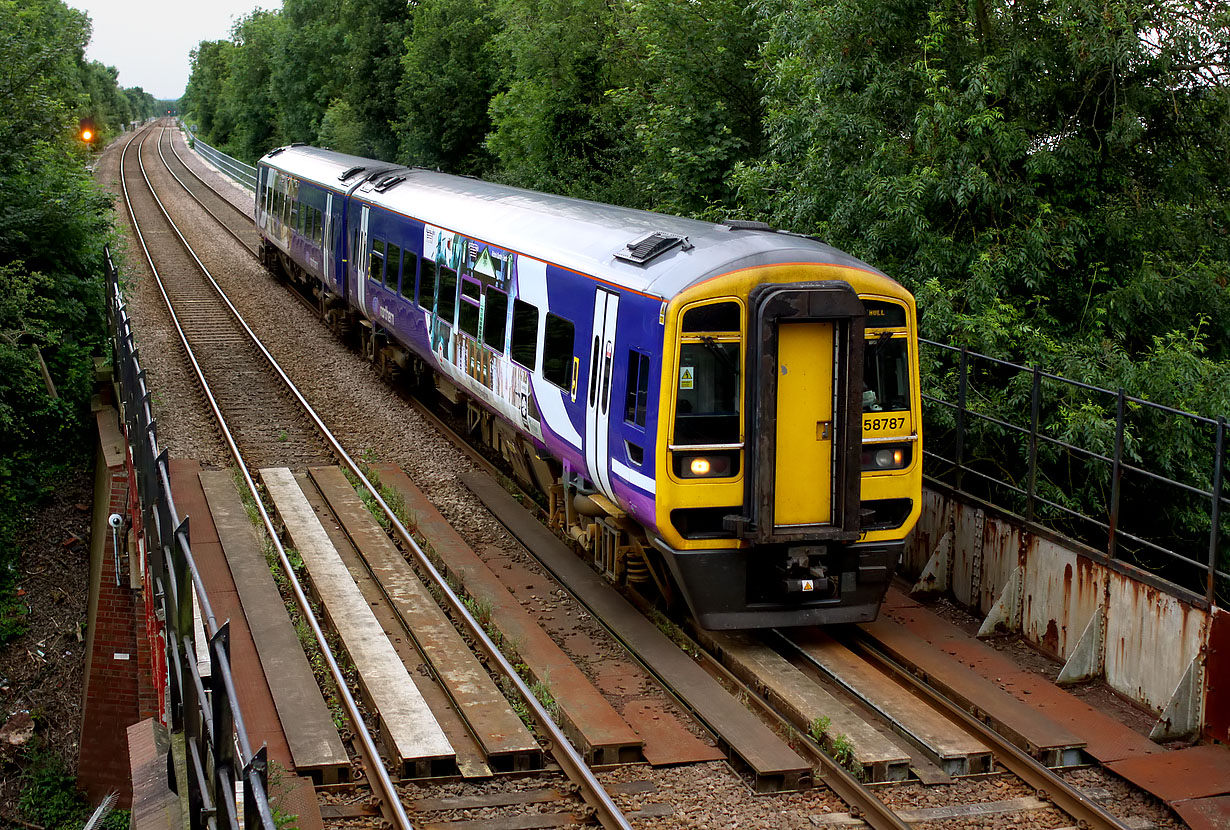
x=674 y=633
x=49 y=796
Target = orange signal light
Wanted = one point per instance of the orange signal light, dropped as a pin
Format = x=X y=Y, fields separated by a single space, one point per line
x=87 y=136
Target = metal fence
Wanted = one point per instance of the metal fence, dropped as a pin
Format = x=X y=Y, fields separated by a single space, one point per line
x=205 y=708
x=243 y=173
x=1090 y=463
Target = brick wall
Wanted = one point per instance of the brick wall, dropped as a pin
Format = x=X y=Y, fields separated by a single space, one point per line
x=119 y=689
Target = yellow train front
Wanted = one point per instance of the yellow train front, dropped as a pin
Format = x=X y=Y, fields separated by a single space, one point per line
x=789 y=451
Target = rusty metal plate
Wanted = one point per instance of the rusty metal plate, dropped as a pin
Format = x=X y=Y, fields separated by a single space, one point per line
x=667 y=740
x=1105 y=739
x=1205 y=813
x=775 y=765
x=1217 y=679
x=1195 y=772
x=1021 y=723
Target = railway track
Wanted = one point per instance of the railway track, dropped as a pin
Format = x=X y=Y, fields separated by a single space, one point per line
x=251 y=396
x=866 y=805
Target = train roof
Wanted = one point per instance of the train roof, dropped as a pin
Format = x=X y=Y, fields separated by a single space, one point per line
x=601 y=240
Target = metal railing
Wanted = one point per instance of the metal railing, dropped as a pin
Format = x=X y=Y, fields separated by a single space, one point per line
x=243 y=173
x=206 y=709
x=1084 y=449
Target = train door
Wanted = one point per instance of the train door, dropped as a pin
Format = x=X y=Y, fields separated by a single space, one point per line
x=598 y=400
x=803 y=485
x=326 y=247
x=359 y=259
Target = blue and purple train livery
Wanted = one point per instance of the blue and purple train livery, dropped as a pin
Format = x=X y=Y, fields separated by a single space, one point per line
x=722 y=412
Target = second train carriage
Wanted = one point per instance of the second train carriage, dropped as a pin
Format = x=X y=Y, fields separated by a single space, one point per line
x=737 y=404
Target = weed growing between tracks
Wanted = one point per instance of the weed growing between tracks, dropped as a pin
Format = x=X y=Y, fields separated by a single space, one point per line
x=839 y=747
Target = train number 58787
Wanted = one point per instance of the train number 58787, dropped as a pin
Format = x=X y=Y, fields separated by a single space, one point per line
x=876 y=424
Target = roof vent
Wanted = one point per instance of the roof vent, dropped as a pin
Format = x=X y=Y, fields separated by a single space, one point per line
x=746 y=225
x=274 y=152
x=391 y=181
x=651 y=245
x=350 y=173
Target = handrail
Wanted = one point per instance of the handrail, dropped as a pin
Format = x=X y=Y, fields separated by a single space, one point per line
x=208 y=712
x=1014 y=487
x=240 y=171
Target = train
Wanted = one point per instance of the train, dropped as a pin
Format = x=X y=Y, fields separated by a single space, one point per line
x=722 y=415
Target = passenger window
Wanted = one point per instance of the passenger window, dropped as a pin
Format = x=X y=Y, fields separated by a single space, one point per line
x=524 y=346
x=294 y=216
x=446 y=303
x=558 y=344
x=393 y=263
x=495 y=319
x=409 y=266
x=638 y=388
x=427 y=284
x=375 y=264
x=467 y=317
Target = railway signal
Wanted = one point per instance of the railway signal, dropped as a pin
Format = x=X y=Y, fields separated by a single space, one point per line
x=87 y=131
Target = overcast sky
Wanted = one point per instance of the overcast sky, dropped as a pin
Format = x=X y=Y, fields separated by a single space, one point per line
x=148 y=40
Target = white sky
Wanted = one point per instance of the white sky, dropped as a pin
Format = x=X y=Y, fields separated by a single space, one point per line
x=148 y=40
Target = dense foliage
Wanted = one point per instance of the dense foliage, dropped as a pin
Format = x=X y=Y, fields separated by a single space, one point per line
x=1050 y=177
x=53 y=225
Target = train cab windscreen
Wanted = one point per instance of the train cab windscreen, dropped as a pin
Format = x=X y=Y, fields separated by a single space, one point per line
x=886 y=374
x=708 y=392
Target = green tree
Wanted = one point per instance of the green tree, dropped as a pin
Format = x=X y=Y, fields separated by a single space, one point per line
x=203 y=102
x=52 y=229
x=689 y=90
x=308 y=72
x=448 y=80
x=1065 y=161
x=247 y=90
x=554 y=126
x=375 y=36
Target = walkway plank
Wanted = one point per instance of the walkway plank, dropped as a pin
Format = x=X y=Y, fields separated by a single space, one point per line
x=314 y=743
x=506 y=742
x=410 y=731
x=589 y=720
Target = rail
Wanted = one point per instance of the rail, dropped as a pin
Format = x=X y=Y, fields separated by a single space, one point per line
x=1085 y=450
x=206 y=709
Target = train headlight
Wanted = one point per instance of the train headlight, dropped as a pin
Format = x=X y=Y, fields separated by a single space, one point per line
x=717 y=464
x=880 y=458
